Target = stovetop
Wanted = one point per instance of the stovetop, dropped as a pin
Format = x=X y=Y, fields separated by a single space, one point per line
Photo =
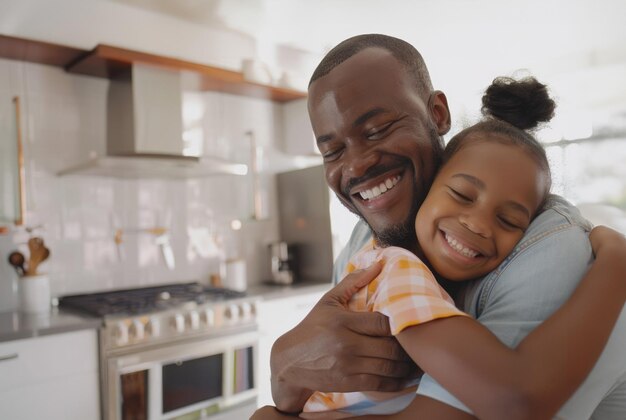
x=145 y=300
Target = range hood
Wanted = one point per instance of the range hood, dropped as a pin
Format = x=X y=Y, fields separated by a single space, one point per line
x=145 y=131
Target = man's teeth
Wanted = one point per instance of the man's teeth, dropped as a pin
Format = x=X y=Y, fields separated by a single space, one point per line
x=463 y=250
x=384 y=186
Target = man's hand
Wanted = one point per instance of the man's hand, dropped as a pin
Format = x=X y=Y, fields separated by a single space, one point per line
x=337 y=350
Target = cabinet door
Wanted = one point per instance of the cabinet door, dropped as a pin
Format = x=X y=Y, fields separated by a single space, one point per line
x=52 y=377
x=276 y=317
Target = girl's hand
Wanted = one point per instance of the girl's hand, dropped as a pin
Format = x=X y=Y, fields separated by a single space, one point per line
x=604 y=238
x=609 y=246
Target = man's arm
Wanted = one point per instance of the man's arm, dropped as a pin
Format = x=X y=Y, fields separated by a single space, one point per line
x=336 y=350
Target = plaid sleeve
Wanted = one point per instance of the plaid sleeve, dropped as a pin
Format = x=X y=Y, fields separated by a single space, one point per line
x=408 y=293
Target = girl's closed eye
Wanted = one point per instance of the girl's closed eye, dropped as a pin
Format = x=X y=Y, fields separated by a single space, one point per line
x=509 y=224
x=460 y=196
x=512 y=223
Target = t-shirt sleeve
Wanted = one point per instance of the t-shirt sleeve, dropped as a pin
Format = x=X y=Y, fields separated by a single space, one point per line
x=360 y=236
x=409 y=294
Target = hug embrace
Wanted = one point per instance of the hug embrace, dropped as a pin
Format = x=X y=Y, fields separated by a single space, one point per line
x=466 y=290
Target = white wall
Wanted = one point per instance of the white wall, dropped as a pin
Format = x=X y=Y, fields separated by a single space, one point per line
x=64 y=122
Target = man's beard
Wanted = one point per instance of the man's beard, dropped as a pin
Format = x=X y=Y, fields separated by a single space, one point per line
x=403 y=234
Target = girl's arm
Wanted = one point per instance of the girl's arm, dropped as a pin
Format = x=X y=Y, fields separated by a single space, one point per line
x=533 y=380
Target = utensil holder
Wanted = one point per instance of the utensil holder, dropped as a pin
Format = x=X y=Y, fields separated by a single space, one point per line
x=35 y=293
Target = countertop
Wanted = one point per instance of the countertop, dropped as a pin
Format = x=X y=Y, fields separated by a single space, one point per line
x=17 y=325
x=273 y=291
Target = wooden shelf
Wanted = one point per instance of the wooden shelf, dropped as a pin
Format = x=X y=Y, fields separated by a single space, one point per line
x=111 y=62
x=37 y=51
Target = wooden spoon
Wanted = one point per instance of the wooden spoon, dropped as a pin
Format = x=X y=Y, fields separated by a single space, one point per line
x=45 y=253
x=35 y=244
x=37 y=250
x=17 y=260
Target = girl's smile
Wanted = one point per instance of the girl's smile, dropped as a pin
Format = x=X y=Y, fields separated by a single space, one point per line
x=478 y=208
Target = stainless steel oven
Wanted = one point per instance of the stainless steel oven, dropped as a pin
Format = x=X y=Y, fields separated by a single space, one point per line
x=175 y=352
x=205 y=376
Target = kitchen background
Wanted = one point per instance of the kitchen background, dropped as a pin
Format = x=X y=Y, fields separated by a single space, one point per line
x=208 y=220
x=577 y=47
x=582 y=58
x=79 y=215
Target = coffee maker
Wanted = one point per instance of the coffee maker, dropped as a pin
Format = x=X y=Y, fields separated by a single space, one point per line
x=281 y=262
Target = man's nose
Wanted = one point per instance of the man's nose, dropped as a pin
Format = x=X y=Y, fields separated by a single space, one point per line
x=359 y=160
x=477 y=222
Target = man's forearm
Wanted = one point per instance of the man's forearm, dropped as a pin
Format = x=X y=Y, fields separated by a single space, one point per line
x=288 y=397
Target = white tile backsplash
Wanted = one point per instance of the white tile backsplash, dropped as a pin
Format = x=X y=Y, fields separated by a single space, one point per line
x=65 y=120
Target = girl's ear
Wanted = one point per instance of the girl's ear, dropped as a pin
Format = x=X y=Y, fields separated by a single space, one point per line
x=439 y=111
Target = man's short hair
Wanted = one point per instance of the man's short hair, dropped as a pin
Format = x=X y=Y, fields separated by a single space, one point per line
x=404 y=52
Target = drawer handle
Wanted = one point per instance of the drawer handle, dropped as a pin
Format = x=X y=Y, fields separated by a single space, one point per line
x=9 y=357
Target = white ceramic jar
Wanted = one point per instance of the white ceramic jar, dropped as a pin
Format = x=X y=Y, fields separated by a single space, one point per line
x=35 y=293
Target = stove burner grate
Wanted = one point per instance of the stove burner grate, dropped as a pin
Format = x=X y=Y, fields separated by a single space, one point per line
x=143 y=300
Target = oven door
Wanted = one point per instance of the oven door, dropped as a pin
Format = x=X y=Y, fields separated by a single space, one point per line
x=204 y=377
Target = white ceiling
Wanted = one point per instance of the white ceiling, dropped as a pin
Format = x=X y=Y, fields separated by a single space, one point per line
x=577 y=46
x=563 y=25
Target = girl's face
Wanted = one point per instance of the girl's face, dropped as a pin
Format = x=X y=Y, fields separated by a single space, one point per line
x=478 y=208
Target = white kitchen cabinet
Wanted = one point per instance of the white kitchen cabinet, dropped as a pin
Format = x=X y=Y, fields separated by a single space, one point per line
x=276 y=317
x=51 y=377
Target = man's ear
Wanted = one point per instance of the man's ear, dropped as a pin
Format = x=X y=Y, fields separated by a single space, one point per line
x=439 y=111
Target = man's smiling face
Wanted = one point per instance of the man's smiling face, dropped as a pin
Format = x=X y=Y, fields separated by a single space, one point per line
x=379 y=145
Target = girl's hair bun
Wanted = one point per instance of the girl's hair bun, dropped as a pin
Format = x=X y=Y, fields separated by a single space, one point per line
x=523 y=103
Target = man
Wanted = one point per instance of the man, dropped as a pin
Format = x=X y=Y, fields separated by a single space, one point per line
x=378 y=125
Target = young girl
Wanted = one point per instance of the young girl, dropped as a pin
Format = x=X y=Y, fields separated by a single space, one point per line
x=494 y=181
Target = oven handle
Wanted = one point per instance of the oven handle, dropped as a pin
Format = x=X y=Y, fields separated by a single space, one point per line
x=9 y=357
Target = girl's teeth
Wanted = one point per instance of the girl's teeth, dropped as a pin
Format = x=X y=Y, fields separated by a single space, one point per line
x=463 y=250
x=384 y=186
